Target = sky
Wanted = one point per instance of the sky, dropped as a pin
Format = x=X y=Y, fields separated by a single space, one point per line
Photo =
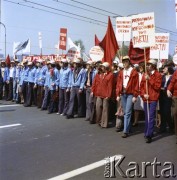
x=23 y=22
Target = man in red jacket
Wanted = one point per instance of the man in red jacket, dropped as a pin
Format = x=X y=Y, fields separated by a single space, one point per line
x=150 y=90
x=172 y=92
x=104 y=93
x=127 y=90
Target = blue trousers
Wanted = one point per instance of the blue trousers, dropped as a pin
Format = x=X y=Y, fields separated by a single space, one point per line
x=149 y=123
x=127 y=104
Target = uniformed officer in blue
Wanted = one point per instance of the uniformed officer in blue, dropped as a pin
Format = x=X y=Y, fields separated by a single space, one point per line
x=76 y=85
x=30 y=80
x=63 y=83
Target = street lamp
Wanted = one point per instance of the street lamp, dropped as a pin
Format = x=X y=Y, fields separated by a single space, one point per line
x=5 y=37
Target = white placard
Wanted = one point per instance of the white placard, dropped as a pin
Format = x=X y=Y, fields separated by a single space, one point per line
x=73 y=53
x=175 y=59
x=161 y=48
x=143 y=30
x=176 y=12
x=123 y=28
x=96 y=53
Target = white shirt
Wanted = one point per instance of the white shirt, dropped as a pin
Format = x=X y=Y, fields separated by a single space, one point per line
x=11 y=72
x=2 y=71
x=126 y=76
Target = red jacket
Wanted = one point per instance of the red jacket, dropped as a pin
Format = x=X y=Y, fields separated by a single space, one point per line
x=95 y=84
x=104 y=85
x=173 y=84
x=132 y=86
x=154 y=86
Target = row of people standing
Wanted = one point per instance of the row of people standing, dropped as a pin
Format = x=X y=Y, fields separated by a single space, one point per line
x=91 y=90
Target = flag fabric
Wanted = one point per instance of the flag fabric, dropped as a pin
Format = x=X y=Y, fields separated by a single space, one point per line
x=70 y=44
x=8 y=60
x=137 y=55
x=24 y=47
x=97 y=41
x=109 y=44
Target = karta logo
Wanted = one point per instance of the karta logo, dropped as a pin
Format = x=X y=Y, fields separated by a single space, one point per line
x=113 y=168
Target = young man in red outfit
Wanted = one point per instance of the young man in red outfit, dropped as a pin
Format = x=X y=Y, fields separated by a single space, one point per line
x=172 y=92
x=104 y=93
x=150 y=90
x=127 y=90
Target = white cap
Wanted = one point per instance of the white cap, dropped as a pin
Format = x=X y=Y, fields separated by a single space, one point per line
x=115 y=62
x=30 y=63
x=136 y=65
x=16 y=60
x=76 y=61
x=64 y=60
x=39 y=61
x=152 y=61
x=12 y=61
x=52 y=62
x=89 y=62
x=126 y=58
x=106 y=64
x=121 y=65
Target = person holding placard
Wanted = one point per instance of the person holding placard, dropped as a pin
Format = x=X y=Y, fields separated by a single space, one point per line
x=150 y=90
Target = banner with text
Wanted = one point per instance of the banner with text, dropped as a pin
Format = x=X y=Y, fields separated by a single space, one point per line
x=123 y=28
x=63 y=38
x=143 y=30
x=161 y=48
x=96 y=53
x=176 y=12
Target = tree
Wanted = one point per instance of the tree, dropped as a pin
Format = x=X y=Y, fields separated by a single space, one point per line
x=80 y=44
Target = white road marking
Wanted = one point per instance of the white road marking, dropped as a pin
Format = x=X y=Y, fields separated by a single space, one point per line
x=85 y=169
x=10 y=105
x=10 y=125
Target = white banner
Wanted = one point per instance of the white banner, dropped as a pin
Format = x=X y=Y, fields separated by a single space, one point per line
x=96 y=53
x=176 y=12
x=161 y=48
x=143 y=30
x=175 y=59
x=123 y=28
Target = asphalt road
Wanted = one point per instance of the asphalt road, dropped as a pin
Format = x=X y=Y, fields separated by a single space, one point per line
x=44 y=146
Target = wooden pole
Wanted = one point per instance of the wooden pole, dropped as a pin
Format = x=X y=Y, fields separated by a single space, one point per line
x=146 y=82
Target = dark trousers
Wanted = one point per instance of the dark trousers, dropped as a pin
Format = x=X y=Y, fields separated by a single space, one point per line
x=1 y=90
x=174 y=112
x=150 y=122
x=6 y=90
x=30 y=94
x=63 y=101
x=52 y=102
x=93 y=110
x=89 y=104
x=45 y=102
x=40 y=96
x=24 y=91
x=81 y=110
x=10 y=95
x=35 y=96
x=165 y=112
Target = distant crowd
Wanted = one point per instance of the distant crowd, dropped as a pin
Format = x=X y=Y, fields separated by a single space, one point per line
x=97 y=91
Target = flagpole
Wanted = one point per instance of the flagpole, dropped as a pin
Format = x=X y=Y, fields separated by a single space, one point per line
x=146 y=83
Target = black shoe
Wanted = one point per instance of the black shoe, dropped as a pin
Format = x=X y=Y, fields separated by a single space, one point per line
x=49 y=112
x=69 y=117
x=119 y=130
x=148 y=140
x=125 y=135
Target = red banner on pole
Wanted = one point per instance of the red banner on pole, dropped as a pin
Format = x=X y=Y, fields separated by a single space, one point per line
x=63 y=38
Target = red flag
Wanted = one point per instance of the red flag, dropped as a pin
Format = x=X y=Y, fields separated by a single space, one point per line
x=137 y=55
x=109 y=44
x=8 y=60
x=97 y=41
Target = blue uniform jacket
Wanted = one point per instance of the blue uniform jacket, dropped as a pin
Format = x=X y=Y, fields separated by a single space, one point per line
x=64 y=76
x=31 y=75
x=79 y=81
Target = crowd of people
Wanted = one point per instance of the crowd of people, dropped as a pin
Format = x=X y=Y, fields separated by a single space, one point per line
x=96 y=90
